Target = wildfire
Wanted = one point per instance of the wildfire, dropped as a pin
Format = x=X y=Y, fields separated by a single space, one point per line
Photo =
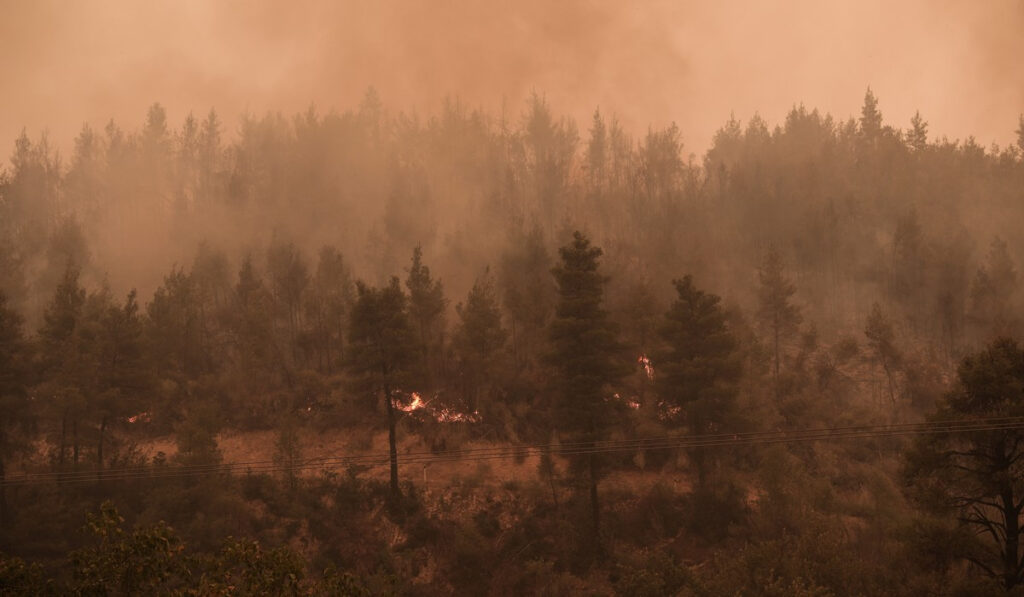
x=442 y=414
x=645 y=362
x=142 y=417
x=451 y=416
x=416 y=403
x=631 y=402
x=668 y=412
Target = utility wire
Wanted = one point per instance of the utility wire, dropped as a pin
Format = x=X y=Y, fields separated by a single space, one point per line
x=563 y=449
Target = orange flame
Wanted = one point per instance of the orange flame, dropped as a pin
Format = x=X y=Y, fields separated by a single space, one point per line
x=142 y=417
x=441 y=415
x=645 y=362
x=416 y=403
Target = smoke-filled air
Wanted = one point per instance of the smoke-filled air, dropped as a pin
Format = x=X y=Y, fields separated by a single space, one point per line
x=534 y=298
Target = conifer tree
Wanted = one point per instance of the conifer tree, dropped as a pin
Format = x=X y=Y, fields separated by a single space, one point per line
x=776 y=311
x=382 y=350
x=698 y=368
x=1020 y=132
x=527 y=293
x=995 y=285
x=479 y=338
x=123 y=375
x=917 y=136
x=881 y=343
x=14 y=400
x=426 y=312
x=870 y=116
x=586 y=356
x=64 y=362
x=976 y=477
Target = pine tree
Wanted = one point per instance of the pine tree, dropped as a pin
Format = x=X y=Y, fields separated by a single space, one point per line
x=173 y=328
x=479 y=338
x=698 y=368
x=881 y=343
x=1020 y=132
x=289 y=278
x=123 y=375
x=975 y=477
x=65 y=364
x=586 y=355
x=14 y=398
x=426 y=311
x=258 y=357
x=382 y=351
x=917 y=136
x=328 y=307
x=776 y=311
x=527 y=293
x=995 y=286
x=597 y=153
x=870 y=117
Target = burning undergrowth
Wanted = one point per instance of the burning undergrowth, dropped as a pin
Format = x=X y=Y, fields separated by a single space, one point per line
x=436 y=408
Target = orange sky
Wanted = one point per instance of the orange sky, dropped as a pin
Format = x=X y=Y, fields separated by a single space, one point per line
x=958 y=61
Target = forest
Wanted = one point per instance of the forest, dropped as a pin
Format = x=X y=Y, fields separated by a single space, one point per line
x=368 y=352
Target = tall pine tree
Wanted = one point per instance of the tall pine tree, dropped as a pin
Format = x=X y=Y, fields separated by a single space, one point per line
x=698 y=368
x=587 y=357
x=382 y=350
x=779 y=317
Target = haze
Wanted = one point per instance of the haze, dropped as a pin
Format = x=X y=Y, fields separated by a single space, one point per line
x=651 y=63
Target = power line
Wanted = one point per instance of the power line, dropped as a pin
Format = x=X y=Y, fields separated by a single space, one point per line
x=563 y=449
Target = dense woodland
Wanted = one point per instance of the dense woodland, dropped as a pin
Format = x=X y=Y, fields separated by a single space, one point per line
x=566 y=296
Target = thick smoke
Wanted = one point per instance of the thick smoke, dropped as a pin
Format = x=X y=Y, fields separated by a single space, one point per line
x=652 y=62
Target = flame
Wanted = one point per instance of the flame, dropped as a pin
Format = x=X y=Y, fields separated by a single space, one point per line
x=416 y=403
x=668 y=412
x=142 y=417
x=645 y=362
x=632 y=402
x=452 y=416
x=441 y=415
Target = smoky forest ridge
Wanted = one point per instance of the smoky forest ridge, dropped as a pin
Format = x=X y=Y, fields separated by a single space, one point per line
x=502 y=352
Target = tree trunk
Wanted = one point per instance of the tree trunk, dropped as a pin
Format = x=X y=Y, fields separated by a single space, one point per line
x=595 y=506
x=3 y=495
x=515 y=346
x=74 y=442
x=777 y=358
x=888 y=377
x=1011 y=548
x=392 y=448
x=63 y=439
x=99 y=446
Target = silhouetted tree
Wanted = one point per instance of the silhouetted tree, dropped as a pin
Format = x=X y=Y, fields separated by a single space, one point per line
x=586 y=355
x=65 y=365
x=123 y=372
x=776 y=311
x=289 y=278
x=479 y=338
x=527 y=292
x=698 y=369
x=426 y=311
x=382 y=350
x=993 y=291
x=882 y=344
x=870 y=117
x=328 y=306
x=15 y=413
x=978 y=475
x=917 y=135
